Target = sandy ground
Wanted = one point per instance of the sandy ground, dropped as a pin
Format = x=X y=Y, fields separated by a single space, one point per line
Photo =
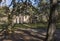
x=28 y=35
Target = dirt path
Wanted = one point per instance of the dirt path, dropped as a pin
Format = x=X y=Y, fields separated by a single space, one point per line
x=27 y=35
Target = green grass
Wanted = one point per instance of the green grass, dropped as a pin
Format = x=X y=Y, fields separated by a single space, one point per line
x=33 y=25
x=37 y=25
x=58 y=25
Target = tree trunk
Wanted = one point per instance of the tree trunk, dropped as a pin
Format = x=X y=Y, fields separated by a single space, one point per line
x=10 y=15
x=52 y=21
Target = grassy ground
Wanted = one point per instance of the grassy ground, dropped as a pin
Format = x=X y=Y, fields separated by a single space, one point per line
x=32 y=25
x=58 y=25
x=37 y=25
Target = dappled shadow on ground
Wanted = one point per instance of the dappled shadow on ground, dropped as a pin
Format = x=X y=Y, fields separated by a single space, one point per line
x=27 y=35
x=22 y=35
x=57 y=35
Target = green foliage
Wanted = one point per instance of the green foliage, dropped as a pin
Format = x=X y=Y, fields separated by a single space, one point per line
x=24 y=8
x=4 y=10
